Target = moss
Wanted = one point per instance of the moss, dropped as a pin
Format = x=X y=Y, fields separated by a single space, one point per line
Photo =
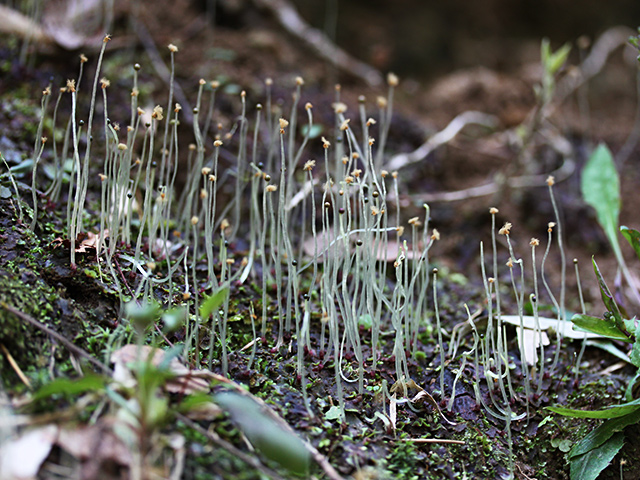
x=25 y=292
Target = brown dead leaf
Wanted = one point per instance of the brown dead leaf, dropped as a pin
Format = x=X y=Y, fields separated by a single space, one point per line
x=86 y=242
x=186 y=381
x=425 y=397
x=96 y=447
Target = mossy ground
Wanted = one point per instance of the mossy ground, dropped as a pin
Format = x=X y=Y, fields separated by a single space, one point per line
x=35 y=277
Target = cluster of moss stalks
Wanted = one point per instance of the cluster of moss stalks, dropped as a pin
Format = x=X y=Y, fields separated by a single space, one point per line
x=319 y=234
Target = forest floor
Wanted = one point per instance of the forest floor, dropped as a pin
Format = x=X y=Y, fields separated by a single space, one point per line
x=418 y=434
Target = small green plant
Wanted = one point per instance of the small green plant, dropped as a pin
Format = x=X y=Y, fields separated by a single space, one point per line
x=592 y=454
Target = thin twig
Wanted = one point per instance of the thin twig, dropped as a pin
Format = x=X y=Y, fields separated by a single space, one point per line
x=320 y=43
x=523 y=181
x=603 y=47
x=214 y=438
x=444 y=136
x=15 y=23
x=15 y=366
x=433 y=440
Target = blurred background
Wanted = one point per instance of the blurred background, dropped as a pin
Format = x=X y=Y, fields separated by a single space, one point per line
x=424 y=39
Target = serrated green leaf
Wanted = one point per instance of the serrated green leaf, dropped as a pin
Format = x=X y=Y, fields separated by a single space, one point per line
x=632 y=327
x=212 y=302
x=601 y=189
x=589 y=465
x=601 y=326
x=634 y=355
x=615 y=411
x=633 y=237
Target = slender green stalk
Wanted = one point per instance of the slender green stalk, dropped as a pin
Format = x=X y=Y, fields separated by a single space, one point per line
x=562 y=313
x=34 y=194
x=583 y=311
x=82 y=180
x=165 y=152
x=53 y=191
x=439 y=328
x=15 y=188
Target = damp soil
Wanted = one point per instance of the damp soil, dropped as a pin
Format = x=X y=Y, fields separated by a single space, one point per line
x=245 y=47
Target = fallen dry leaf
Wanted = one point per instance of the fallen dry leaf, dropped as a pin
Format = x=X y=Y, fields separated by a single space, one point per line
x=186 y=381
x=86 y=242
x=96 y=447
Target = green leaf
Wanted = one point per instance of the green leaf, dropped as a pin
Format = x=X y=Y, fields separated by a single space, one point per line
x=174 y=318
x=197 y=402
x=633 y=237
x=605 y=327
x=265 y=434
x=615 y=411
x=545 y=324
x=632 y=387
x=557 y=59
x=631 y=326
x=601 y=189
x=545 y=51
x=564 y=445
x=66 y=386
x=365 y=321
x=212 y=302
x=600 y=435
x=143 y=314
x=22 y=168
x=609 y=347
x=634 y=355
x=589 y=465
